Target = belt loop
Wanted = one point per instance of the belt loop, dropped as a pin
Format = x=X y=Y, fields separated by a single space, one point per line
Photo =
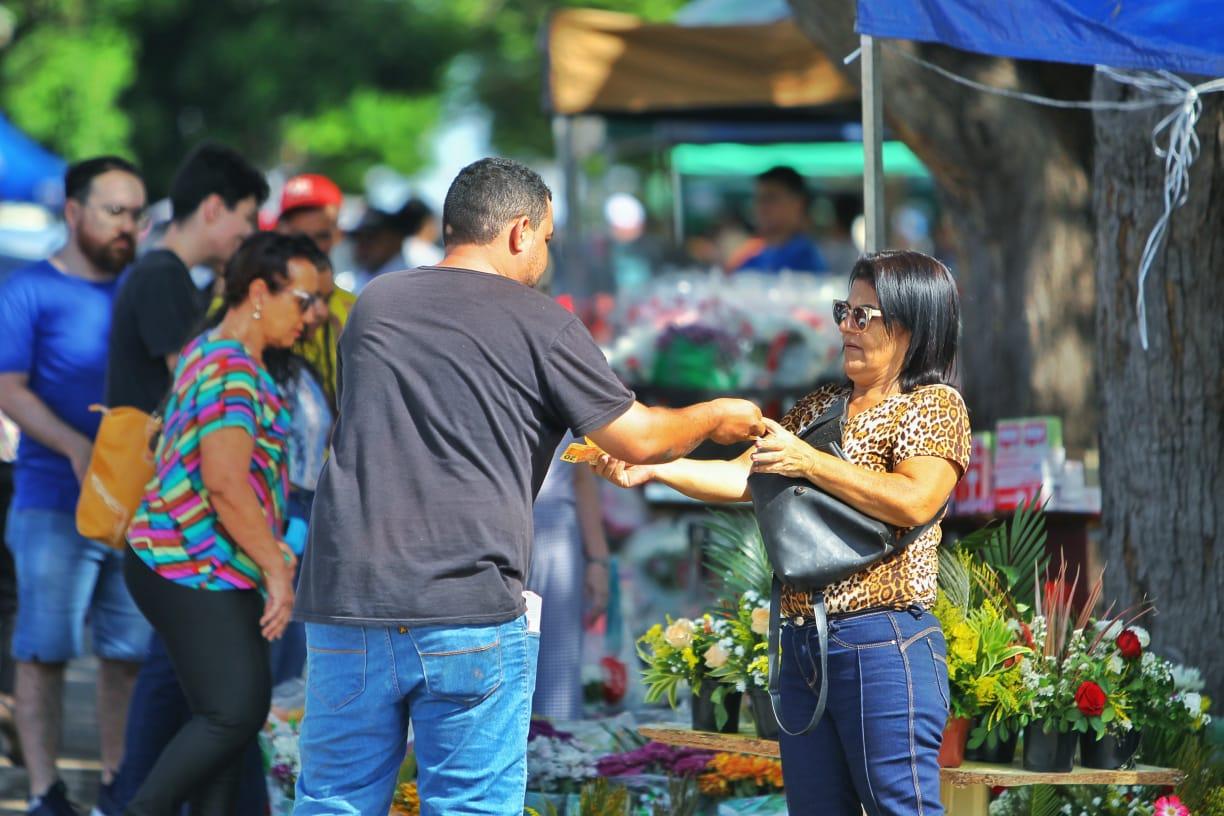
x=915 y=610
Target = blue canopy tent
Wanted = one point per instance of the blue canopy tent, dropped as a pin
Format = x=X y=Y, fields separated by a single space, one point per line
x=28 y=172
x=1160 y=36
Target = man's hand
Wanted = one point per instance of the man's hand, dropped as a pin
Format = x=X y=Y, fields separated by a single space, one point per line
x=596 y=588
x=79 y=456
x=739 y=421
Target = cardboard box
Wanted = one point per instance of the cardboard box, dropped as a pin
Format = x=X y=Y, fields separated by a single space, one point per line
x=1029 y=457
x=975 y=491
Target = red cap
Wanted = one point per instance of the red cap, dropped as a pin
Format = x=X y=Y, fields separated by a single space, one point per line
x=309 y=190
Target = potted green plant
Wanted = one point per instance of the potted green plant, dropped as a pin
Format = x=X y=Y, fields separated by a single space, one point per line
x=678 y=655
x=740 y=657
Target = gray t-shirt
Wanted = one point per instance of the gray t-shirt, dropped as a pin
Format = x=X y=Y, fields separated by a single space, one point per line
x=455 y=388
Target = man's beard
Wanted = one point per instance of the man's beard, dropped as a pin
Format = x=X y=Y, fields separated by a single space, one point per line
x=111 y=256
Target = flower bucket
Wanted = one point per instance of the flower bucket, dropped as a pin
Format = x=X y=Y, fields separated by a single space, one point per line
x=994 y=750
x=952 y=749
x=1111 y=753
x=763 y=714
x=1052 y=752
x=704 y=718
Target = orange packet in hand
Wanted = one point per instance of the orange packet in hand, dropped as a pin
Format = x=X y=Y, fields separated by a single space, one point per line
x=579 y=452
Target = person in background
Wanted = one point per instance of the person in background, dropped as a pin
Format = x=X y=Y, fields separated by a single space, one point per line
x=569 y=571
x=378 y=242
x=420 y=223
x=214 y=196
x=780 y=204
x=310 y=206
x=839 y=247
x=310 y=426
x=8 y=600
x=55 y=317
x=205 y=561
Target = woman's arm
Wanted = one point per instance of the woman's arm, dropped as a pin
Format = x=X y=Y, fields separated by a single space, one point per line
x=701 y=479
x=908 y=496
x=225 y=462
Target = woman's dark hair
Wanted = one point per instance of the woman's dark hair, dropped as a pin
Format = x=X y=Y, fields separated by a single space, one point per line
x=265 y=256
x=918 y=293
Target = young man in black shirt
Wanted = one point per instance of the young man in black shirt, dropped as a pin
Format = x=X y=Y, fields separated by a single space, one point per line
x=457 y=383
x=215 y=196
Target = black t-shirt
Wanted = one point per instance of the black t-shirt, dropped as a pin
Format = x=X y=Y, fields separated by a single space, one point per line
x=156 y=312
x=455 y=388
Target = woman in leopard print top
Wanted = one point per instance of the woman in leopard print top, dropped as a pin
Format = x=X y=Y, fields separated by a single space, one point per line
x=907 y=440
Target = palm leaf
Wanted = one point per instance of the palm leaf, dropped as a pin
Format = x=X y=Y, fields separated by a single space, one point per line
x=1045 y=801
x=735 y=554
x=1014 y=550
x=954 y=578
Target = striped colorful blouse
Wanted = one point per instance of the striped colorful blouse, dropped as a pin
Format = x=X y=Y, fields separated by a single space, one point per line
x=217 y=384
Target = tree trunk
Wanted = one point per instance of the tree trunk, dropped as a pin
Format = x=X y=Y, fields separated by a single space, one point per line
x=1162 y=419
x=1013 y=182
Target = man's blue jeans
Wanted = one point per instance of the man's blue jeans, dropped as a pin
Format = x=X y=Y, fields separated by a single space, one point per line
x=877 y=746
x=468 y=692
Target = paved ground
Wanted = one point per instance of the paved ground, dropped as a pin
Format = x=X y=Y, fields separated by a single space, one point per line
x=79 y=766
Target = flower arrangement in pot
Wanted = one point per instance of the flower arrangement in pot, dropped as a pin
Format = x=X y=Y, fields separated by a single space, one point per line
x=681 y=654
x=1053 y=701
x=740 y=656
x=984 y=660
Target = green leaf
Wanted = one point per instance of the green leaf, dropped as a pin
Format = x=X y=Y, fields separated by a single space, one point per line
x=735 y=554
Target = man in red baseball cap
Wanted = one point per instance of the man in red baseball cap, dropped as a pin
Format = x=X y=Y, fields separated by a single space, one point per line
x=310 y=206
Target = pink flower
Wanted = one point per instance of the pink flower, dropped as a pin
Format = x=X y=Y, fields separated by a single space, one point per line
x=1171 y=806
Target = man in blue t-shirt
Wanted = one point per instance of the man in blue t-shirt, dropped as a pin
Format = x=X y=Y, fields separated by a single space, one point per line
x=781 y=205
x=55 y=317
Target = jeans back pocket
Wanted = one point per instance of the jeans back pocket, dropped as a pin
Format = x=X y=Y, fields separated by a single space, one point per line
x=335 y=663
x=462 y=665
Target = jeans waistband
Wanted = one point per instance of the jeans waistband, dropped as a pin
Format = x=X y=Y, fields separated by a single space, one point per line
x=916 y=610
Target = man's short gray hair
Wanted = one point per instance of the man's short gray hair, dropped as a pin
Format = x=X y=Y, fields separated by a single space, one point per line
x=487 y=195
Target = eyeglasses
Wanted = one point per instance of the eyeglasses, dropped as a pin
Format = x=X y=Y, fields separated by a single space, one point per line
x=306 y=300
x=860 y=316
x=116 y=212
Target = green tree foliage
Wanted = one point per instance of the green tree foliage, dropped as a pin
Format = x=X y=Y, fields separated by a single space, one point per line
x=320 y=84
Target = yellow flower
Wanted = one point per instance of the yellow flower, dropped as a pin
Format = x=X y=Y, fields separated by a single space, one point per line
x=760 y=621
x=986 y=689
x=716 y=656
x=680 y=633
x=690 y=657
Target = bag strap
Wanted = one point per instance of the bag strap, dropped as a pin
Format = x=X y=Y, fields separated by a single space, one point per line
x=822 y=629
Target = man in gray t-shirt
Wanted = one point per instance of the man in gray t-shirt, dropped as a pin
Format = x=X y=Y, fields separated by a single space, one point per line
x=457 y=383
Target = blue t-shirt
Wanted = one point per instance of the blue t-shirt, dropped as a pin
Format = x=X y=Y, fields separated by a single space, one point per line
x=54 y=329
x=799 y=254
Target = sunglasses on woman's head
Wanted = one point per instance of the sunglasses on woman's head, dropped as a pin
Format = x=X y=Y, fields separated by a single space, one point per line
x=860 y=316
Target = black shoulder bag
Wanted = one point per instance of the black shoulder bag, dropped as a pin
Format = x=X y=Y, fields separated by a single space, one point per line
x=815 y=540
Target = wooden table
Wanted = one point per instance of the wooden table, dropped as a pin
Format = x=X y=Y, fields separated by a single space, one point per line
x=965 y=791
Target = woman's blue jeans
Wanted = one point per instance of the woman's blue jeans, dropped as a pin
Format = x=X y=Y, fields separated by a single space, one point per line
x=877 y=746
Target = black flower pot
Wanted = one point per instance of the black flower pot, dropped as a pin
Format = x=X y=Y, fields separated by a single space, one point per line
x=1051 y=752
x=763 y=714
x=994 y=749
x=1111 y=753
x=704 y=707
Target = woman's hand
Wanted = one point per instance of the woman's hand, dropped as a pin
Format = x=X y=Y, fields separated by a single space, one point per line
x=278 y=608
x=783 y=453
x=621 y=474
x=596 y=585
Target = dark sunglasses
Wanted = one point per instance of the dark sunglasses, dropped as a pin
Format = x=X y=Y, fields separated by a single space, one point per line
x=860 y=316
x=306 y=300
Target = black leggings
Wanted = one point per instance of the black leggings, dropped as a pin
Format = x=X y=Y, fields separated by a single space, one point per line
x=221 y=660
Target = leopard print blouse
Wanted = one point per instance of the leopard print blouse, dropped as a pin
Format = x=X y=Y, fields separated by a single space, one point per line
x=929 y=421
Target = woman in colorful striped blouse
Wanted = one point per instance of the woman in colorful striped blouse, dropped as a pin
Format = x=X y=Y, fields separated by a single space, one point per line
x=205 y=562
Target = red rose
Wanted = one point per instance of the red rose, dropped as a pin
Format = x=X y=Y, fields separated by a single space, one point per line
x=1090 y=699
x=1128 y=644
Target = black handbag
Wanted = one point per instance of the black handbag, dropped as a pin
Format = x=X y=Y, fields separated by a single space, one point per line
x=815 y=540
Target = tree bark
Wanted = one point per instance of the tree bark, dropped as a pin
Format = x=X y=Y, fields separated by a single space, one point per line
x=1013 y=182
x=1162 y=419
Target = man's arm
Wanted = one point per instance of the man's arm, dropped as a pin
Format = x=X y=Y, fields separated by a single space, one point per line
x=645 y=435
x=39 y=422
